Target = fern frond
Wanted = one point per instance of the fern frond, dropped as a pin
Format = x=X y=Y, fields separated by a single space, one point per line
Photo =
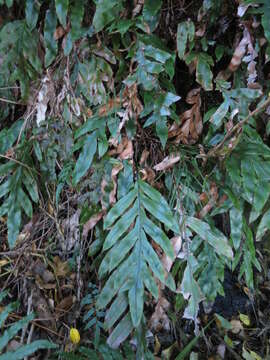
x=131 y=260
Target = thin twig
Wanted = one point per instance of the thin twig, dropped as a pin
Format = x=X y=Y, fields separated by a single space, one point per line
x=10 y=101
x=19 y=162
x=214 y=152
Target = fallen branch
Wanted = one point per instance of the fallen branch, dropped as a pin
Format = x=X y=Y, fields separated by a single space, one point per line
x=215 y=152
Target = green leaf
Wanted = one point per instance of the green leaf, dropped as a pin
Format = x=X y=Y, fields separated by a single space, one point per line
x=149 y=281
x=185 y=32
x=191 y=291
x=236 y=222
x=162 y=130
x=31 y=185
x=13 y=224
x=27 y=350
x=264 y=225
x=26 y=204
x=8 y=137
x=6 y=311
x=114 y=282
x=9 y=3
x=265 y=19
x=120 y=227
x=151 y=10
x=31 y=13
x=157 y=54
x=86 y=157
x=76 y=18
x=158 y=211
x=106 y=12
x=13 y=330
x=120 y=333
x=152 y=259
x=116 y=309
x=219 y=115
x=204 y=75
x=158 y=236
x=119 y=208
x=50 y=43
x=136 y=300
x=213 y=236
x=5 y=188
x=61 y=7
x=116 y=254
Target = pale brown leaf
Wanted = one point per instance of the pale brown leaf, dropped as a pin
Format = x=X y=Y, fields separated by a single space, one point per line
x=89 y=225
x=167 y=163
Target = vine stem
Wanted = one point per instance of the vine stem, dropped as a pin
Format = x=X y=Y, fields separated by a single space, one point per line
x=10 y=101
x=19 y=162
x=214 y=152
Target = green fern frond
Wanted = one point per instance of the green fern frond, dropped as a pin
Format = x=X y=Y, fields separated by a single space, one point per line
x=11 y=332
x=131 y=260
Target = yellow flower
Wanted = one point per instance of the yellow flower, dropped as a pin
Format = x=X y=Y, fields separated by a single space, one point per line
x=74 y=336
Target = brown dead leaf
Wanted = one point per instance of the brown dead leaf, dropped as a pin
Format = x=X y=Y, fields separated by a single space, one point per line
x=212 y=200
x=42 y=308
x=138 y=5
x=191 y=121
x=94 y=219
x=127 y=152
x=115 y=171
x=148 y=175
x=124 y=150
x=244 y=52
x=111 y=104
x=201 y=31
x=59 y=33
x=61 y=268
x=237 y=326
x=167 y=163
x=39 y=269
x=144 y=157
x=167 y=261
x=159 y=319
x=71 y=232
x=65 y=305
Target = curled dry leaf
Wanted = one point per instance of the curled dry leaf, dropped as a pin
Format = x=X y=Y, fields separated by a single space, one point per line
x=131 y=104
x=39 y=269
x=167 y=163
x=124 y=150
x=144 y=157
x=138 y=5
x=244 y=52
x=212 y=200
x=45 y=94
x=41 y=308
x=191 y=121
x=201 y=31
x=71 y=232
x=127 y=152
x=59 y=33
x=159 y=319
x=148 y=175
x=177 y=244
x=115 y=171
x=110 y=105
x=131 y=101
x=65 y=305
x=89 y=225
